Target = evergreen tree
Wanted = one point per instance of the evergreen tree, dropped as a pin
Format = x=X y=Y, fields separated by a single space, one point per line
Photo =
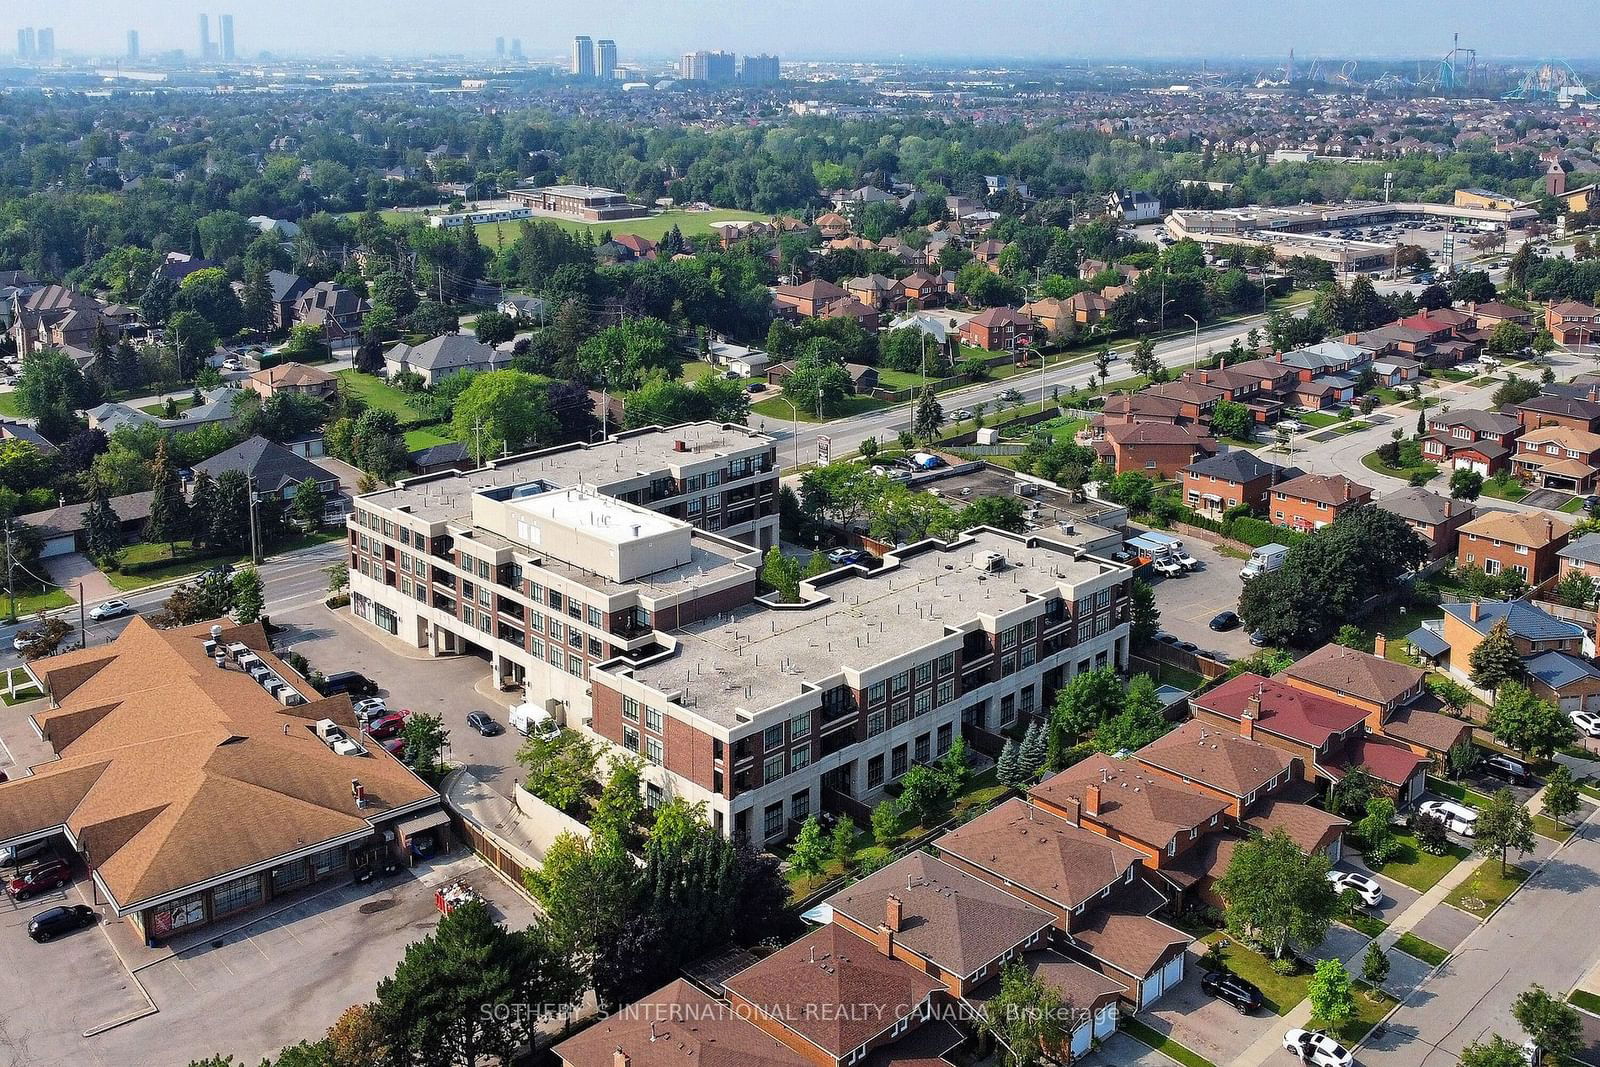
x=249 y=597
x=1495 y=660
x=228 y=521
x=169 y=514
x=928 y=418
x=102 y=530
x=257 y=299
x=1009 y=767
x=308 y=504
x=1035 y=751
x=203 y=505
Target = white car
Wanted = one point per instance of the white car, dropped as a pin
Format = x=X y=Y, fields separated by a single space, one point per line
x=1587 y=722
x=1290 y=426
x=1457 y=818
x=1370 y=892
x=111 y=609
x=232 y=365
x=961 y=414
x=1317 y=1048
x=371 y=708
x=1167 y=568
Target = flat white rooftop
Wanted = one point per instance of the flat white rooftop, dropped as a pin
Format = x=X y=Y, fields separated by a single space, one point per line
x=601 y=517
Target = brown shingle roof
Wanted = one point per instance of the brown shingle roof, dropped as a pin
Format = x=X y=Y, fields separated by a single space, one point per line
x=1357 y=674
x=1126 y=937
x=1140 y=804
x=677 y=1026
x=1042 y=852
x=1533 y=529
x=1430 y=729
x=1305 y=825
x=1326 y=488
x=833 y=989
x=1219 y=758
x=1082 y=987
x=948 y=917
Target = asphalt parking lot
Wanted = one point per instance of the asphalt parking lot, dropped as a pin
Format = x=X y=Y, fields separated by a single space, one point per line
x=446 y=686
x=1187 y=604
x=1205 y=1024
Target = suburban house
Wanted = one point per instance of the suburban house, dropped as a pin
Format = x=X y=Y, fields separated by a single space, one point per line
x=292 y=378
x=1436 y=519
x=1397 y=702
x=160 y=770
x=1526 y=543
x=1050 y=315
x=1326 y=734
x=1088 y=307
x=1492 y=313
x=997 y=329
x=1471 y=439
x=444 y=355
x=1558 y=457
x=1581 y=557
x=849 y=307
x=1329 y=357
x=61 y=529
x=1562 y=407
x=1571 y=322
x=287 y=289
x=1311 y=501
x=877 y=292
x=1196 y=400
x=1137 y=407
x=1556 y=652
x=922 y=289
x=807 y=299
x=1158 y=448
x=677 y=1024
x=12 y=430
x=275 y=471
x=216 y=406
x=450 y=456
x=1213 y=485
x=337 y=310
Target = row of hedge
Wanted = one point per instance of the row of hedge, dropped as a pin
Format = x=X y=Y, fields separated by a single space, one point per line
x=1246 y=529
x=147 y=566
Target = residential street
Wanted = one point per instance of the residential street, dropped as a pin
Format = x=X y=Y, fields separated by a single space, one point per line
x=1543 y=935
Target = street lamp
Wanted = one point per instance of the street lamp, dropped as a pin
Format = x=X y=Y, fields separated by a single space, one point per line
x=796 y=412
x=1196 y=322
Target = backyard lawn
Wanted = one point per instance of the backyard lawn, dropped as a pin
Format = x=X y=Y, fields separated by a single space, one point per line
x=1418 y=869
x=159 y=409
x=26 y=690
x=380 y=394
x=1486 y=888
x=416 y=439
x=1280 y=992
x=8 y=404
x=776 y=408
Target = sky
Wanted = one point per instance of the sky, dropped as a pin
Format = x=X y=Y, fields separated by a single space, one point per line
x=839 y=29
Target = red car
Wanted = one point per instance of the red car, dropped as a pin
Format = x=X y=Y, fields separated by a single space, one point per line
x=387 y=726
x=51 y=874
x=396 y=747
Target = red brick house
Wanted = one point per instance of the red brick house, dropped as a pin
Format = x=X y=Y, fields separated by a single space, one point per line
x=1526 y=543
x=997 y=329
x=1571 y=322
x=1155 y=448
x=1213 y=485
x=809 y=298
x=1436 y=519
x=1311 y=501
x=1470 y=439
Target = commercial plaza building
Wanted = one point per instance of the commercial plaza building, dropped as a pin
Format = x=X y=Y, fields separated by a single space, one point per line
x=585 y=575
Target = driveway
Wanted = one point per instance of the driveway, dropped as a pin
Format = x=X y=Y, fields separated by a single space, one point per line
x=448 y=686
x=1120 y=1050
x=1203 y=1023
x=1397 y=897
x=1446 y=927
x=67 y=571
x=1187 y=604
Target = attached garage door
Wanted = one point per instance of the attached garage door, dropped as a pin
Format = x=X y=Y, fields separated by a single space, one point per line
x=1172 y=974
x=1081 y=1038
x=1150 y=991
x=1105 y=1021
x=59 y=546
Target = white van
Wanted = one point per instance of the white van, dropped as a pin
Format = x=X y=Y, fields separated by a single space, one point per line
x=1264 y=560
x=531 y=720
x=1457 y=818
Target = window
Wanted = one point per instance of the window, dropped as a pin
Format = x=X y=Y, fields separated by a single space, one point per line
x=574 y=637
x=236 y=895
x=652 y=719
x=1008 y=709
x=594 y=618
x=902 y=682
x=800 y=725
x=800 y=805
x=536 y=592
x=924 y=703
x=1008 y=638
x=536 y=621
x=772 y=769
x=875 y=771
x=924 y=673
x=875 y=693
x=898 y=761
x=924 y=751
x=466 y=615
x=901 y=712
x=555 y=653
x=537 y=648
x=773 y=737
x=875 y=723
x=946 y=736
x=652 y=749
x=1028 y=630
x=800 y=757
x=575 y=666
x=1029 y=654
x=947 y=663
x=947 y=691
x=772 y=820
x=630 y=739
x=555 y=600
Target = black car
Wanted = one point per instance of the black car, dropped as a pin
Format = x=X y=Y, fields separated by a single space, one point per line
x=1591 y=502
x=1506 y=767
x=1224 y=620
x=53 y=922
x=353 y=682
x=1229 y=987
x=480 y=721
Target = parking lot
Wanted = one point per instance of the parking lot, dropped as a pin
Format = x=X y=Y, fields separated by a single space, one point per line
x=318 y=955
x=411 y=678
x=1187 y=604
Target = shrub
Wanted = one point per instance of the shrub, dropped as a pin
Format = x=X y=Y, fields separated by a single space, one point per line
x=1430 y=834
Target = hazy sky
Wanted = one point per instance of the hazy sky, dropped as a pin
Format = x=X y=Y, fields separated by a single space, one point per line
x=839 y=28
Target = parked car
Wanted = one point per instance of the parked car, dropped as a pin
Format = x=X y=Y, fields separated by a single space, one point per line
x=111 y=609
x=60 y=920
x=755 y=387
x=1188 y=646
x=1290 y=426
x=1258 y=638
x=370 y=708
x=481 y=722
x=1230 y=988
x=1591 y=502
x=1587 y=722
x=41 y=878
x=1318 y=1049
x=353 y=682
x=1506 y=767
x=841 y=556
x=1370 y=892
x=12 y=855
x=1457 y=818
x=386 y=726
x=1168 y=568
x=1224 y=620
x=961 y=414
x=396 y=747
x=221 y=570
x=1186 y=561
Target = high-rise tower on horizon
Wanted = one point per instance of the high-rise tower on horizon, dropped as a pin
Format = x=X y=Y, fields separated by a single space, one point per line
x=206 y=48
x=606 y=68
x=583 y=56
x=133 y=44
x=227 y=37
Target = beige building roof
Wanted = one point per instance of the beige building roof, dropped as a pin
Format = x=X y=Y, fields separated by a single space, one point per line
x=1222 y=759
x=1041 y=852
x=1533 y=529
x=1358 y=674
x=172 y=772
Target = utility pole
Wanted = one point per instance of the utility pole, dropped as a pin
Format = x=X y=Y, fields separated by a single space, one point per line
x=11 y=572
x=250 y=490
x=83 y=624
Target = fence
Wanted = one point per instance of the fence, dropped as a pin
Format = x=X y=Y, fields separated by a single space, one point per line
x=1012 y=449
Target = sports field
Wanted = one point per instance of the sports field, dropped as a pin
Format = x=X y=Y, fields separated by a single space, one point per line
x=691 y=223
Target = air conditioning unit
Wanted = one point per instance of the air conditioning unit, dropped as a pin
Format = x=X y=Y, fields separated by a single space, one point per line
x=327 y=729
x=988 y=561
x=290 y=699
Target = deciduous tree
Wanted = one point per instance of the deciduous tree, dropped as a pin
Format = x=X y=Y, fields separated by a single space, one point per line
x=1274 y=892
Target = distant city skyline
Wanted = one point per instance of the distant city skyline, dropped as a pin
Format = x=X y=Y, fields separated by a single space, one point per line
x=1010 y=29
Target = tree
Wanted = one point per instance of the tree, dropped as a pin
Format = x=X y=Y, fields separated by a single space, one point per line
x=45 y=638
x=1007 y=768
x=810 y=852
x=1496 y=1052
x=1274 y=892
x=494 y=327
x=425 y=735
x=815 y=385
x=102 y=530
x=1132 y=489
x=169 y=513
x=209 y=294
x=1028 y=1018
x=561 y=768
x=1560 y=793
x=1086 y=701
x=256 y=301
x=1352 y=636
x=1350 y=795
x=308 y=504
x=1232 y=419
x=1000 y=512
x=1554 y=1025
x=929 y=416
x=1034 y=752
x=1528 y=724
x=1375 y=965
x=1507 y=338
x=502 y=411
x=1576 y=589
x=194 y=339
x=1329 y=993
x=210 y=598
x=1146 y=616
x=1376 y=831
x=1503 y=824
x=1496 y=660
x=620 y=809
x=888 y=821
x=249 y=598
x=1465 y=483
x=1429 y=830
x=782 y=574
x=438 y=1006
x=619 y=357
x=842 y=842
x=51 y=389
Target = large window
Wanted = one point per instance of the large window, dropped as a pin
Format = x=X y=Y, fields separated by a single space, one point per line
x=630 y=709
x=652 y=719
x=652 y=749
x=800 y=757
x=875 y=771
x=772 y=820
x=630 y=739
x=236 y=895
x=772 y=769
x=772 y=738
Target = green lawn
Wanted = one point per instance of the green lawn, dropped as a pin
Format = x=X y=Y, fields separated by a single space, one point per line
x=1554 y=829
x=899 y=379
x=1573 y=506
x=416 y=439
x=1372 y=1005
x=8 y=404
x=1319 y=419
x=1280 y=992
x=1504 y=491
x=33 y=603
x=1486 y=888
x=654 y=227
x=777 y=408
x=1360 y=921
x=1163 y=1044
x=26 y=690
x=1586 y=1000
x=1470 y=797
x=695 y=369
x=185 y=563
x=380 y=394
x=1426 y=951
x=1373 y=463
x=1418 y=869
x=160 y=409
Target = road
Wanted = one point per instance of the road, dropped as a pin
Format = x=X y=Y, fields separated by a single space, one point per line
x=1530 y=940
x=291 y=580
